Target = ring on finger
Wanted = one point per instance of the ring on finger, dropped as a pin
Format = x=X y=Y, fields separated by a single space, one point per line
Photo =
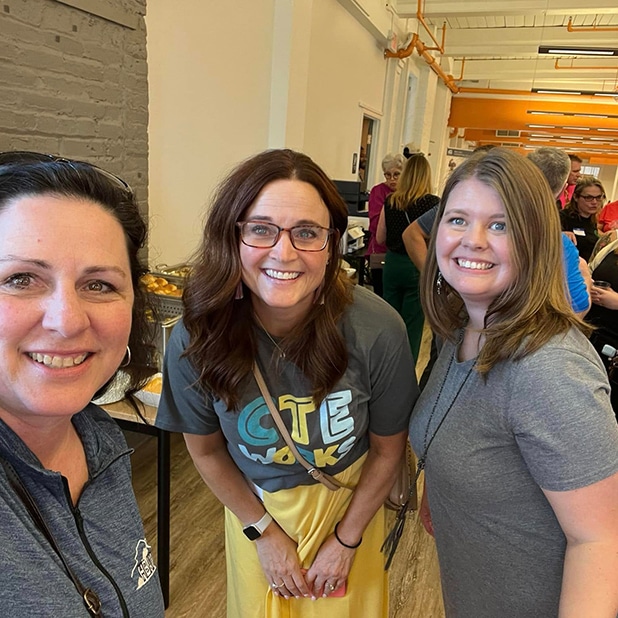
x=330 y=586
x=275 y=586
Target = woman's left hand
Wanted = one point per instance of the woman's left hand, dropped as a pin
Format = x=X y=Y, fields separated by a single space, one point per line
x=604 y=297
x=330 y=569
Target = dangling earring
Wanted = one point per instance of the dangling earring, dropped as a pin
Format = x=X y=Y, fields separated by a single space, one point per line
x=128 y=357
x=439 y=281
x=240 y=292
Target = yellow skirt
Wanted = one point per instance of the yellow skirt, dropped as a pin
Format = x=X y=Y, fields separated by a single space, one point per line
x=308 y=514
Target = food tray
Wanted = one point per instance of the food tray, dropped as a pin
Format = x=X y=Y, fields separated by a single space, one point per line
x=166 y=306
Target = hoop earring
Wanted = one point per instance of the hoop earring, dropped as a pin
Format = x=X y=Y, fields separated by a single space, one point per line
x=128 y=357
x=240 y=292
x=439 y=282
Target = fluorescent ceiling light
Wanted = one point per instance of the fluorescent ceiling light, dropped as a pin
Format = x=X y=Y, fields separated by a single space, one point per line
x=612 y=130
x=542 y=91
x=591 y=115
x=577 y=51
x=578 y=128
x=545 y=113
x=545 y=126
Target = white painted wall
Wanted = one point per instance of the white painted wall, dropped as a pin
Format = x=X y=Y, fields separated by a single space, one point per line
x=209 y=87
x=346 y=69
x=294 y=73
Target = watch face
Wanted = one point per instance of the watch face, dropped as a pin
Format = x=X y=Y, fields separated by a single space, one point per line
x=252 y=533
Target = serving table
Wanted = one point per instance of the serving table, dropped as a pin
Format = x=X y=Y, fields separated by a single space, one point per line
x=126 y=417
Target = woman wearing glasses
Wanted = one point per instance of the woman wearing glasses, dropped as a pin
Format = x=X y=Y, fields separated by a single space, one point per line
x=267 y=289
x=71 y=313
x=580 y=215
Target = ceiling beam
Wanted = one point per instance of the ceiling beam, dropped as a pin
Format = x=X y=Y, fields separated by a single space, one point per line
x=463 y=8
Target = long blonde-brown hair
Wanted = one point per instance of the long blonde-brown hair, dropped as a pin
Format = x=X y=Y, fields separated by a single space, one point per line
x=534 y=307
x=414 y=182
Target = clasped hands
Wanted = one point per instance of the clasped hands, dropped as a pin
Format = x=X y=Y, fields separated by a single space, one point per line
x=279 y=559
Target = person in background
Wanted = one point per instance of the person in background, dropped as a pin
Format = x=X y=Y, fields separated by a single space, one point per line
x=515 y=423
x=608 y=218
x=555 y=165
x=580 y=215
x=71 y=313
x=392 y=164
x=267 y=289
x=574 y=176
x=604 y=312
x=411 y=199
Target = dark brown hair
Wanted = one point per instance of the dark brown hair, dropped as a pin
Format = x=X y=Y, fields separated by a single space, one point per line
x=534 y=307
x=222 y=340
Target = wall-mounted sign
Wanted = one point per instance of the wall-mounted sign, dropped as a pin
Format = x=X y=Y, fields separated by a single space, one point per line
x=458 y=152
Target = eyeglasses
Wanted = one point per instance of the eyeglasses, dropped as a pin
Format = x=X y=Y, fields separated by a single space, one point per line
x=592 y=198
x=392 y=175
x=15 y=157
x=263 y=235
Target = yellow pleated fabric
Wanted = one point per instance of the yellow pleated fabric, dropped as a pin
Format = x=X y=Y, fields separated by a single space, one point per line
x=308 y=514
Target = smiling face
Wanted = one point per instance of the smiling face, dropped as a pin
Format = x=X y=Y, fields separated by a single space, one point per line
x=472 y=246
x=282 y=279
x=65 y=305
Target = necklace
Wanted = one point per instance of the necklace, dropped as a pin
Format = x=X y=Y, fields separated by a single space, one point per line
x=426 y=439
x=281 y=351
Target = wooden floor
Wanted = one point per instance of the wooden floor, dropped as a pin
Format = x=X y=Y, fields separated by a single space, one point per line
x=197 y=579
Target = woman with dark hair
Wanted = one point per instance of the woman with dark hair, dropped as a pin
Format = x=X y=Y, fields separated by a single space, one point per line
x=580 y=214
x=410 y=200
x=71 y=313
x=515 y=424
x=267 y=290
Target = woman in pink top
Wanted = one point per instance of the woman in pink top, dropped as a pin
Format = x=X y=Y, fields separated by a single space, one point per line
x=392 y=164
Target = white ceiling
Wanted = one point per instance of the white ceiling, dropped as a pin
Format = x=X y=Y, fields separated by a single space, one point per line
x=491 y=49
x=499 y=41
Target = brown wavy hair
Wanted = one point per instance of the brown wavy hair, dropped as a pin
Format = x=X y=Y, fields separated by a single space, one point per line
x=223 y=344
x=534 y=307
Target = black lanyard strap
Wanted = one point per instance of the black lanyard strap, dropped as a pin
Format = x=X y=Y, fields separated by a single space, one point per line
x=89 y=596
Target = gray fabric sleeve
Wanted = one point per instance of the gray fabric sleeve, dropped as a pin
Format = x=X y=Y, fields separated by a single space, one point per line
x=562 y=418
x=184 y=406
x=426 y=220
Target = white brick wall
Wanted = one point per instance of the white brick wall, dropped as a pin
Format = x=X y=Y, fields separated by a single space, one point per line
x=75 y=84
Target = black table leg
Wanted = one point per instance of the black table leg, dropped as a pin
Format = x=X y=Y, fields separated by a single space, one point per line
x=163 y=512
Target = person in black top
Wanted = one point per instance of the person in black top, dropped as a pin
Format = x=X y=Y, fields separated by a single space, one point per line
x=409 y=201
x=604 y=311
x=580 y=216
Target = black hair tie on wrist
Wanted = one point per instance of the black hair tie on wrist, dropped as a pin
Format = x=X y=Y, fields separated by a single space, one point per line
x=345 y=544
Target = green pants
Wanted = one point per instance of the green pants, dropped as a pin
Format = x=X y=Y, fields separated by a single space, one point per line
x=401 y=291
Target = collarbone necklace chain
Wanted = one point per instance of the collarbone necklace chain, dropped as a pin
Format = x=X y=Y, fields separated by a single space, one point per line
x=274 y=342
